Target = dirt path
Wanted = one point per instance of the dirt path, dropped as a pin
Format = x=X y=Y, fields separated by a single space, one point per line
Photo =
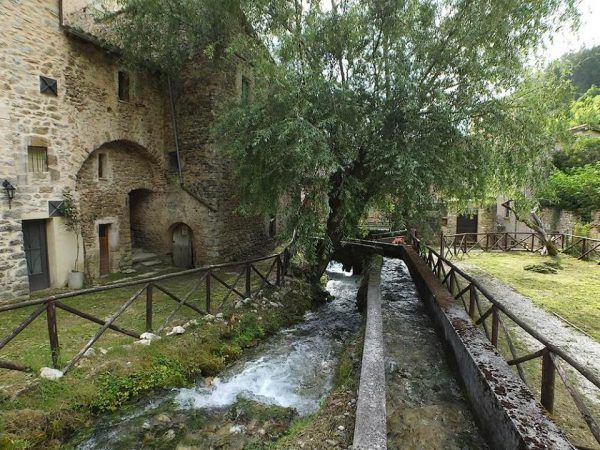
x=580 y=347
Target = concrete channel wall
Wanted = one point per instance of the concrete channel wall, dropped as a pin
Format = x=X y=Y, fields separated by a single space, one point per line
x=504 y=406
x=370 y=431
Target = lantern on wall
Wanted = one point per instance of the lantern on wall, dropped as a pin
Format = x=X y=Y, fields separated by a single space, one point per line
x=9 y=190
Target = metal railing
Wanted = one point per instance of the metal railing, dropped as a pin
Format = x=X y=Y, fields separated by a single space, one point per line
x=483 y=308
x=278 y=265
x=457 y=245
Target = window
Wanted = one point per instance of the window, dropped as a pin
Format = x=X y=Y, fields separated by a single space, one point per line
x=37 y=159
x=245 y=91
x=272 y=226
x=102 y=166
x=444 y=221
x=48 y=86
x=173 y=162
x=506 y=212
x=123 y=86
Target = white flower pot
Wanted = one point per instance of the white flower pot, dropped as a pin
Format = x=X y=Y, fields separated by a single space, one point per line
x=75 y=280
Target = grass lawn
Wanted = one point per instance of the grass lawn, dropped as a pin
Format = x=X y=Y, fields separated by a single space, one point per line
x=573 y=293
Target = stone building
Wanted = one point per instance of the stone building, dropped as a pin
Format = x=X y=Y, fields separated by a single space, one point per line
x=497 y=218
x=72 y=117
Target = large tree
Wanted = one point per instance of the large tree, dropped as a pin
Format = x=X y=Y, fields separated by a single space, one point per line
x=358 y=102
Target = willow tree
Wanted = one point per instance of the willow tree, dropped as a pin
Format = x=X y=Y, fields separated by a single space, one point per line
x=357 y=102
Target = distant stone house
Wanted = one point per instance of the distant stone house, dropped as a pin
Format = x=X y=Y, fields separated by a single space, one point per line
x=497 y=218
x=71 y=117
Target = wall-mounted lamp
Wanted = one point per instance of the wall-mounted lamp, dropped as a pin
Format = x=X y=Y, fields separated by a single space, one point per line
x=9 y=189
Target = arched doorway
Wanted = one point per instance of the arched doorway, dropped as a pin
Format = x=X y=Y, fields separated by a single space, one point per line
x=183 y=255
x=140 y=213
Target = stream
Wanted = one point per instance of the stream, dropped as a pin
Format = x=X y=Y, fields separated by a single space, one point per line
x=292 y=370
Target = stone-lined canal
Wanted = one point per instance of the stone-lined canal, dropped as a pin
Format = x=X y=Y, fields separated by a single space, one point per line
x=426 y=407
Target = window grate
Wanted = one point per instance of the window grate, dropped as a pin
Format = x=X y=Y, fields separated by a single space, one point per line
x=48 y=86
x=37 y=159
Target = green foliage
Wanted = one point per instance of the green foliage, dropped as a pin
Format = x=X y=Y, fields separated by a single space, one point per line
x=116 y=390
x=365 y=101
x=586 y=110
x=583 y=68
x=165 y=35
x=582 y=151
x=577 y=190
x=72 y=219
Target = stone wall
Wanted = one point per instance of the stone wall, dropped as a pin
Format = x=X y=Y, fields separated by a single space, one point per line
x=86 y=117
x=83 y=115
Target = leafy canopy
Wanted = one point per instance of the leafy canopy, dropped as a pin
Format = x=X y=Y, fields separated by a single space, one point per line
x=359 y=102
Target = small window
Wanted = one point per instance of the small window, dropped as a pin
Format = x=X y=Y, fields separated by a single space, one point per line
x=506 y=212
x=245 y=91
x=123 y=86
x=102 y=165
x=444 y=221
x=173 y=162
x=272 y=226
x=37 y=159
x=48 y=86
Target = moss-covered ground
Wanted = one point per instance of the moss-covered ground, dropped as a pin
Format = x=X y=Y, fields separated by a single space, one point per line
x=573 y=292
x=37 y=413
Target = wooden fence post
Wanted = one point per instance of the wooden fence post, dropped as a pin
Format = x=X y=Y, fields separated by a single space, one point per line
x=487 y=241
x=278 y=270
x=441 y=243
x=208 y=276
x=149 y=290
x=248 y=284
x=472 y=301
x=506 y=241
x=583 y=247
x=495 y=325
x=53 y=332
x=532 y=242
x=548 y=374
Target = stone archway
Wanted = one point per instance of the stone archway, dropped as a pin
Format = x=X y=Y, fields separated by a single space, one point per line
x=110 y=178
x=182 y=245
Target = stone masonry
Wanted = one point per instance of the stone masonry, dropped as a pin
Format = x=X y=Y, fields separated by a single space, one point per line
x=85 y=117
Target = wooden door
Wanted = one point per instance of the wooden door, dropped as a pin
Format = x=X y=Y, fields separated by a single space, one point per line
x=104 y=248
x=36 y=253
x=467 y=224
x=182 y=246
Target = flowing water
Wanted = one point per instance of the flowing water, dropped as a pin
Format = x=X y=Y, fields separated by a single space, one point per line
x=293 y=369
x=426 y=407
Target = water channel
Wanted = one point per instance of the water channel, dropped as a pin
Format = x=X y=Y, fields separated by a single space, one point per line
x=294 y=369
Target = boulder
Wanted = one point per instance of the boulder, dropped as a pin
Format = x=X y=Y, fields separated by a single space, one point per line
x=149 y=337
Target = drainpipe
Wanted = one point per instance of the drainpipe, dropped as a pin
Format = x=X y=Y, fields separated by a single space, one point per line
x=177 y=147
x=60 y=14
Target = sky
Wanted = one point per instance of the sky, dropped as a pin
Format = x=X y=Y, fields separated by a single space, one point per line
x=588 y=34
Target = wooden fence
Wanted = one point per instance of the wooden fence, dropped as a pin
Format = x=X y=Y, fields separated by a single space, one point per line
x=457 y=245
x=248 y=271
x=491 y=314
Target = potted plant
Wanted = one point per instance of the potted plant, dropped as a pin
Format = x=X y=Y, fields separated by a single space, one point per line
x=73 y=223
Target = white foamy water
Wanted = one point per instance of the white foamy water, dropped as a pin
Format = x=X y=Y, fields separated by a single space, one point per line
x=293 y=369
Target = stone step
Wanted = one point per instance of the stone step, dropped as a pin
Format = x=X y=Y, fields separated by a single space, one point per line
x=140 y=257
x=150 y=263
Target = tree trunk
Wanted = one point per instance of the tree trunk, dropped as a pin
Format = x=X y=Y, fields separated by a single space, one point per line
x=536 y=224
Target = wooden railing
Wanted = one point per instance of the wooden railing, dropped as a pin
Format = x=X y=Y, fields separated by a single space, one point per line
x=278 y=265
x=490 y=314
x=457 y=245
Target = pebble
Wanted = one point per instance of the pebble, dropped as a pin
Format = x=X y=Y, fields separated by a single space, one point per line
x=169 y=435
x=341 y=428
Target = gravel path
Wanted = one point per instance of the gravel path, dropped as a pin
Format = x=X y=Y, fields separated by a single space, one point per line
x=580 y=347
